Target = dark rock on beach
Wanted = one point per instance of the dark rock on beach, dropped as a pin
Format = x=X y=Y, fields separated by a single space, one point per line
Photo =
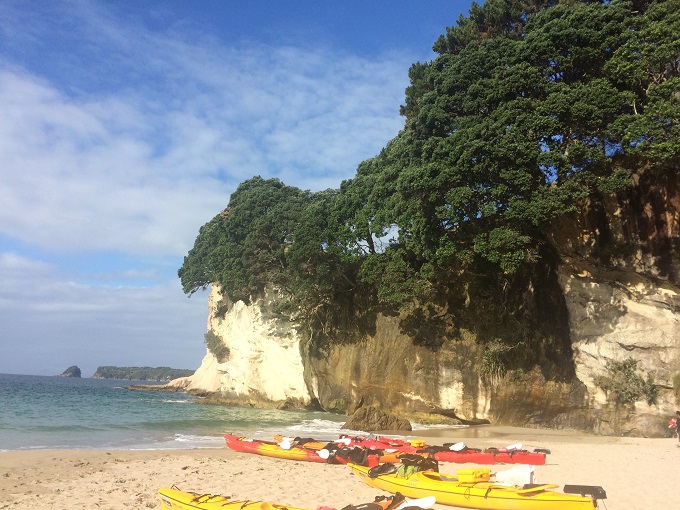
x=373 y=419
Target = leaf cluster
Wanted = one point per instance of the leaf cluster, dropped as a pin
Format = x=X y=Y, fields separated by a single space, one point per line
x=494 y=364
x=676 y=387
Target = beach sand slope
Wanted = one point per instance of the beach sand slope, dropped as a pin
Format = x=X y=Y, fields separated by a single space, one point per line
x=637 y=473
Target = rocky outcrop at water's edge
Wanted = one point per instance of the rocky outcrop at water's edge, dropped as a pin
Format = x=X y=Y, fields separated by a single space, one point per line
x=72 y=371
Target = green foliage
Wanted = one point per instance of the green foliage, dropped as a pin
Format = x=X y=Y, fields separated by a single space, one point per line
x=647 y=65
x=494 y=360
x=624 y=386
x=216 y=346
x=650 y=390
x=243 y=248
x=528 y=110
x=275 y=234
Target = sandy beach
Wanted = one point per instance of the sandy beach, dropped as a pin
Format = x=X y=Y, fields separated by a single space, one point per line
x=637 y=473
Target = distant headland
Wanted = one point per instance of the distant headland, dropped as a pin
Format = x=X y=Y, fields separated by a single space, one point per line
x=141 y=373
x=131 y=373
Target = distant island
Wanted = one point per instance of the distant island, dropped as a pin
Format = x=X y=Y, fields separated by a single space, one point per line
x=73 y=371
x=141 y=373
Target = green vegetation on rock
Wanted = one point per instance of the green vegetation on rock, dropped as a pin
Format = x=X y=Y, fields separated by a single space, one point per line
x=494 y=361
x=624 y=386
x=530 y=108
x=141 y=373
x=216 y=346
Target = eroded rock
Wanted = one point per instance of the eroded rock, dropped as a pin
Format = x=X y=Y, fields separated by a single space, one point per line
x=373 y=419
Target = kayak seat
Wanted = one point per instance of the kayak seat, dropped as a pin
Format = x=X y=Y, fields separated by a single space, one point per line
x=383 y=469
x=447 y=478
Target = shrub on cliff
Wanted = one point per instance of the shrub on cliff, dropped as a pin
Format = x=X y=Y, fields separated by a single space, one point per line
x=216 y=346
x=624 y=386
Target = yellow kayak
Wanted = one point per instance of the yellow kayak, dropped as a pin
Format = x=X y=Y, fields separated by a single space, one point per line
x=488 y=495
x=175 y=499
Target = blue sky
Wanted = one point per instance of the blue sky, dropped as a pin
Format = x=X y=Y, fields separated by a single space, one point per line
x=127 y=124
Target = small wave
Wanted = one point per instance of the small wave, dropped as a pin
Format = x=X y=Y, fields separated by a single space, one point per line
x=189 y=438
x=317 y=425
x=317 y=428
x=429 y=426
x=331 y=429
x=194 y=441
x=63 y=428
x=178 y=400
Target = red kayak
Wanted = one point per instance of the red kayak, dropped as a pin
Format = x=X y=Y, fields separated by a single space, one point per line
x=459 y=452
x=309 y=450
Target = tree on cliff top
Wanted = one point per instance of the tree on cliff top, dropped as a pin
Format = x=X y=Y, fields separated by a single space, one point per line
x=275 y=234
x=526 y=111
x=244 y=247
x=531 y=106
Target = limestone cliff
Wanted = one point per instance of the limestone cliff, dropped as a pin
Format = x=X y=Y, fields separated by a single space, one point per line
x=263 y=366
x=615 y=283
x=620 y=276
x=270 y=364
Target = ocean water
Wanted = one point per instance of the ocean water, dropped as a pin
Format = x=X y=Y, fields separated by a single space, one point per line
x=40 y=412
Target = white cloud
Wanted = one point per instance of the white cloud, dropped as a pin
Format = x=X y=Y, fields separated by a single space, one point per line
x=103 y=171
x=120 y=140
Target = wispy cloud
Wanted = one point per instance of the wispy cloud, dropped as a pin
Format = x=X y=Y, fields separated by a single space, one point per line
x=139 y=169
x=119 y=139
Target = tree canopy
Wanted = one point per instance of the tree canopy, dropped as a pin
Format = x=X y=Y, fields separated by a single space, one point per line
x=529 y=107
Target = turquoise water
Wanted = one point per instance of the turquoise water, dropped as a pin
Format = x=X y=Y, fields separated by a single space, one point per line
x=39 y=412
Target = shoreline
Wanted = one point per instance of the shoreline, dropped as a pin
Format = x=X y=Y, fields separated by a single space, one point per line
x=636 y=473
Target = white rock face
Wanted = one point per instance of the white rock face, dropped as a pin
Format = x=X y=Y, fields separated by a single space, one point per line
x=452 y=395
x=616 y=315
x=264 y=356
x=205 y=379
